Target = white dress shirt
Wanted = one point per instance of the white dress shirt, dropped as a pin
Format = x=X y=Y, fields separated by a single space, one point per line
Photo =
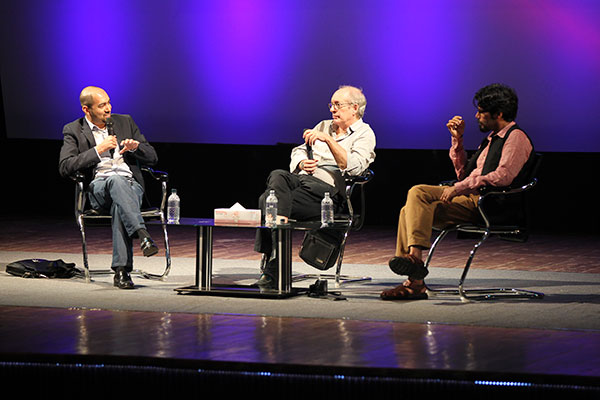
x=108 y=166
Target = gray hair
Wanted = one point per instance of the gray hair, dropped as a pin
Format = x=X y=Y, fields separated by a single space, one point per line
x=356 y=97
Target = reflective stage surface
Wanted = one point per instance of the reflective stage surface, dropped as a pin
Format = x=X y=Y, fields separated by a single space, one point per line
x=308 y=342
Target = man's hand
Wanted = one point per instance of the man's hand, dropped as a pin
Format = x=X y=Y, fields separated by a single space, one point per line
x=129 y=145
x=339 y=153
x=456 y=126
x=310 y=166
x=448 y=194
x=310 y=137
x=107 y=144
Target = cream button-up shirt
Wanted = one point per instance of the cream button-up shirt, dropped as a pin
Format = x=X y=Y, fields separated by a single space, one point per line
x=358 y=141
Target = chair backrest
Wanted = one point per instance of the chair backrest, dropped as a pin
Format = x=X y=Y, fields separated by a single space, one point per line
x=510 y=206
x=352 y=183
x=163 y=178
x=533 y=173
x=160 y=176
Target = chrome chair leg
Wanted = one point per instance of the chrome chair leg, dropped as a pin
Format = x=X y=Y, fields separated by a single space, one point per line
x=437 y=240
x=88 y=273
x=467 y=295
x=165 y=273
x=462 y=292
x=144 y=274
x=86 y=265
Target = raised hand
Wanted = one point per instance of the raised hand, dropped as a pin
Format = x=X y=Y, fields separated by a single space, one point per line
x=456 y=126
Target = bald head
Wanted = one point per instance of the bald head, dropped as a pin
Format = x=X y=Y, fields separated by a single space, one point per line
x=87 y=95
x=95 y=104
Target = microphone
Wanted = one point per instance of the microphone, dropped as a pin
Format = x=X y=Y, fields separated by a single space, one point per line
x=309 y=151
x=111 y=131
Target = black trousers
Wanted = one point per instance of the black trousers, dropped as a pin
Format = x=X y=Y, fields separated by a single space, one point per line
x=299 y=198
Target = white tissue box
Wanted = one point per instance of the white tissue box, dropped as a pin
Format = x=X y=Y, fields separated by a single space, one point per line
x=237 y=216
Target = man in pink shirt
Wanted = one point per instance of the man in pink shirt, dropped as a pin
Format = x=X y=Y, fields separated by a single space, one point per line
x=503 y=158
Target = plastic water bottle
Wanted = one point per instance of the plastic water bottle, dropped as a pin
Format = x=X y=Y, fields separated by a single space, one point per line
x=271 y=210
x=173 y=204
x=326 y=210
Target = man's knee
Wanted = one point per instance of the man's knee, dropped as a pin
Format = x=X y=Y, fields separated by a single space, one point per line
x=117 y=181
x=277 y=175
x=416 y=191
x=420 y=196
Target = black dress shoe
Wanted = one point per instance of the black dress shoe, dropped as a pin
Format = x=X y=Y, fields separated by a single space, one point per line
x=123 y=279
x=148 y=247
x=268 y=279
x=266 y=282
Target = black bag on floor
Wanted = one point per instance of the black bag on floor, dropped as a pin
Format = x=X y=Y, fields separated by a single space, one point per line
x=39 y=268
x=321 y=248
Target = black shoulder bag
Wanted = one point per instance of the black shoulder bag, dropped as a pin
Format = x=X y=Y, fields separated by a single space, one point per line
x=39 y=268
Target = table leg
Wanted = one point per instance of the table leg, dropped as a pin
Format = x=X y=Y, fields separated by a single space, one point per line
x=284 y=260
x=204 y=248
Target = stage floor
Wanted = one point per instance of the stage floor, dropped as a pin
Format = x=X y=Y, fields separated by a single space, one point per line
x=505 y=341
x=372 y=245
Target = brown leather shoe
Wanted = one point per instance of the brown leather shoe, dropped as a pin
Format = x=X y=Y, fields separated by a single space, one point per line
x=408 y=290
x=408 y=265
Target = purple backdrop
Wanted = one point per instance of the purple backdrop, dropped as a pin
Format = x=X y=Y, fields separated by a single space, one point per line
x=258 y=72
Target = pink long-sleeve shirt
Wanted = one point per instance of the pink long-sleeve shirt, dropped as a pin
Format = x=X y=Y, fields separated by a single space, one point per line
x=515 y=152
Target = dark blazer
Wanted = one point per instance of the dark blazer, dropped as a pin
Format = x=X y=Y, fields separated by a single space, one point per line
x=77 y=153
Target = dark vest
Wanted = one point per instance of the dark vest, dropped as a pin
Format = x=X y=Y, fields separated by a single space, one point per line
x=504 y=210
x=495 y=153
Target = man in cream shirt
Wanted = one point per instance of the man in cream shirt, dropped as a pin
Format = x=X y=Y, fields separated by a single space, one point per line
x=343 y=145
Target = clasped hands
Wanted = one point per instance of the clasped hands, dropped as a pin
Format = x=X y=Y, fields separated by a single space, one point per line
x=111 y=143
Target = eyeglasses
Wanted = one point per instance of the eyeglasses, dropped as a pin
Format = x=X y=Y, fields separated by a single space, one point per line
x=337 y=106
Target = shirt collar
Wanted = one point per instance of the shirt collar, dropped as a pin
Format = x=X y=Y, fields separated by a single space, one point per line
x=351 y=129
x=503 y=131
x=92 y=125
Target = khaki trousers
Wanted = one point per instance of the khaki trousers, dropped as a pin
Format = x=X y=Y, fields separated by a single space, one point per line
x=424 y=210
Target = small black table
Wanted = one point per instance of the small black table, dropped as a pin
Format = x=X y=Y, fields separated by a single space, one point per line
x=204 y=285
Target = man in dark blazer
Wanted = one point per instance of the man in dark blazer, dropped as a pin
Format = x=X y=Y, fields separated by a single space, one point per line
x=108 y=148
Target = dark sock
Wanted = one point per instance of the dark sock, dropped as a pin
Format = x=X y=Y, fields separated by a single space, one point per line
x=142 y=233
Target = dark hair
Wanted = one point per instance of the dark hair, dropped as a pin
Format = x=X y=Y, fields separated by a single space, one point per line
x=498 y=98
